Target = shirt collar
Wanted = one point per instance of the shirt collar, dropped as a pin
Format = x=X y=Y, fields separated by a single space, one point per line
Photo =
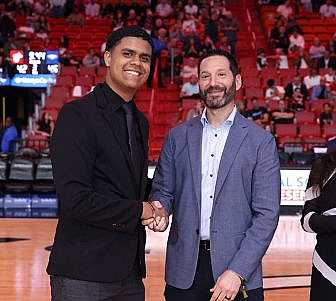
x=228 y=121
x=113 y=97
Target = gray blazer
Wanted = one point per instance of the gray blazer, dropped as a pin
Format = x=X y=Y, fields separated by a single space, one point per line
x=246 y=203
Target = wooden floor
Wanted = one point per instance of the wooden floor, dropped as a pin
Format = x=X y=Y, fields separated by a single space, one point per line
x=287 y=264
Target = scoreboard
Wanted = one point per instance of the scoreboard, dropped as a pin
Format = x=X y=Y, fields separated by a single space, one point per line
x=35 y=69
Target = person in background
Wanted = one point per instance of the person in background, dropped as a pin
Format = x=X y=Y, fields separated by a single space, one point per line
x=196 y=110
x=190 y=88
x=319 y=217
x=9 y=134
x=91 y=59
x=282 y=115
x=326 y=116
x=45 y=125
x=258 y=113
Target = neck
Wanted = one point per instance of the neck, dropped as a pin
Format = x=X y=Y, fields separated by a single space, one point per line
x=126 y=94
x=216 y=117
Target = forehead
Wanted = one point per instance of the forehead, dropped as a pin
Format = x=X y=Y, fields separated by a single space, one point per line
x=215 y=63
x=136 y=44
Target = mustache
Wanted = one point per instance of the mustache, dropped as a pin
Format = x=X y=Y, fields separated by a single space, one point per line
x=215 y=89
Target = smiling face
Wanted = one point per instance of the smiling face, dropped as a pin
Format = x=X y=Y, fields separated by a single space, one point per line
x=217 y=84
x=128 y=65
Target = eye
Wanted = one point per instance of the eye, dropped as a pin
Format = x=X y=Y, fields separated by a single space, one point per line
x=127 y=54
x=145 y=59
x=222 y=74
x=205 y=76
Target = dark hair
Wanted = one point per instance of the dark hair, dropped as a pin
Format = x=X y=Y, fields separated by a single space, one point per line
x=270 y=82
x=115 y=37
x=322 y=169
x=218 y=52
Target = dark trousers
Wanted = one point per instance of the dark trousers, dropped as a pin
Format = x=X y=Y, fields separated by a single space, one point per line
x=66 y=289
x=321 y=288
x=203 y=282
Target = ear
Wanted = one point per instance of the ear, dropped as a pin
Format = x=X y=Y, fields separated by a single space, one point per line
x=239 y=82
x=107 y=58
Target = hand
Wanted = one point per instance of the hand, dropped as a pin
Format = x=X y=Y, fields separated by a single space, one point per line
x=226 y=287
x=160 y=221
x=147 y=211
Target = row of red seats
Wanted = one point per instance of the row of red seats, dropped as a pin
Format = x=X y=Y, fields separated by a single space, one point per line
x=305 y=130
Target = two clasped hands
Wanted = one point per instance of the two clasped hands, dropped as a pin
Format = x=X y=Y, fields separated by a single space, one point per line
x=155 y=216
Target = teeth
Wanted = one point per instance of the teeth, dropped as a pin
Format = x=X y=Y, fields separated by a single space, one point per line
x=133 y=73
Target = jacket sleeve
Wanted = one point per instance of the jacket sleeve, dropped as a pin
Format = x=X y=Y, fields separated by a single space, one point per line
x=265 y=207
x=73 y=152
x=163 y=185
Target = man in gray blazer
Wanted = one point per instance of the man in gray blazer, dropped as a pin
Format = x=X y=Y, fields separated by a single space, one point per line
x=219 y=177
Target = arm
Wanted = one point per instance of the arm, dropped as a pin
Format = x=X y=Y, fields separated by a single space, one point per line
x=73 y=152
x=163 y=186
x=314 y=221
x=265 y=209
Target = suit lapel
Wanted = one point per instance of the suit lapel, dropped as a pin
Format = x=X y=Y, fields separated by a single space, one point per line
x=235 y=138
x=194 y=137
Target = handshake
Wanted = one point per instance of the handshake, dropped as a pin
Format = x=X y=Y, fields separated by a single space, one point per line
x=154 y=216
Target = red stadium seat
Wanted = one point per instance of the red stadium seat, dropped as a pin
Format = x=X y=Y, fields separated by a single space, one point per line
x=101 y=71
x=286 y=130
x=309 y=130
x=84 y=81
x=329 y=131
x=317 y=105
x=66 y=80
x=304 y=117
x=69 y=70
x=87 y=71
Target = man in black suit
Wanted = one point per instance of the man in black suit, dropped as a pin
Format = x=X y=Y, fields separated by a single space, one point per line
x=99 y=155
x=296 y=84
x=327 y=61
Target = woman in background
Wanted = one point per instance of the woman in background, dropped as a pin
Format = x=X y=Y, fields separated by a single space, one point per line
x=319 y=216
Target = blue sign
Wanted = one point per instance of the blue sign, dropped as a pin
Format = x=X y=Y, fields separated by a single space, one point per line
x=33 y=80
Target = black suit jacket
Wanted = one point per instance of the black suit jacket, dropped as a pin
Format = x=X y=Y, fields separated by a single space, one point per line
x=99 y=236
x=331 y=63
x=289 y=90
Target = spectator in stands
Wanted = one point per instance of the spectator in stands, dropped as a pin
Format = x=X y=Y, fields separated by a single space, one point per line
x=132 y=19
x=261 y=59
x=330 y=77
x=281 y=59
x=231 y=28
x=332 y=44
x=313 y=79
x=159 y=40
x=163 y=9
x=273 y=91
x=10 y=133
x=42 y=7
x=64 y=42
x=76 y=18
x=327 y=60
x=282 y=41
x=67 y=58
x=301 y=59
x=258 y=113
x=45 y=125
x=191 y=8
x=41 y=27
x=57 y=8
x=326 y=116
x=297 y=102
x=285 y=9
x=188 y=25
x=296 y=41
x=211 y=27
x=328 y=10
x=307 y=4
x=92 y=9
x=320 y=91
x=191 y=88
x=294 y=85
x=242 y=107
x=224 y=44
x=189 y=69
x=282 y=115
x=91 y=59
x=316 y=51
x=196 y=110
x=207 y=46
x=293 y=25
x=7 y=27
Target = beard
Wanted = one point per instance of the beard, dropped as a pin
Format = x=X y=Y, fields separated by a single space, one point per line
x=213 y=102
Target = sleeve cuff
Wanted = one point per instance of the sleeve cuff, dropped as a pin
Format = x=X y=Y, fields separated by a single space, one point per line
x=305 y=224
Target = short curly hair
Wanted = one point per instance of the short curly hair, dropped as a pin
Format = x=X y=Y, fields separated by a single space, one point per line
x=115 y=37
